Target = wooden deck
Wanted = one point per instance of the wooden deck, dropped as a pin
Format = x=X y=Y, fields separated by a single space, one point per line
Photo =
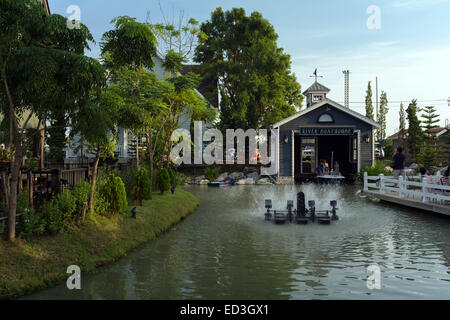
x=412 y=201
x=429 y=194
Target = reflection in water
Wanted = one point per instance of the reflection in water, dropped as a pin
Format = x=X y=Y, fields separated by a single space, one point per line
x=227 y=251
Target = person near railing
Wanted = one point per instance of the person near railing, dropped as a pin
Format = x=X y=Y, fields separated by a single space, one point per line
x=398 y=164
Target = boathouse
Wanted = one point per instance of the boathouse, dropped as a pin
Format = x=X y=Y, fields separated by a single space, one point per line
x=325 y=130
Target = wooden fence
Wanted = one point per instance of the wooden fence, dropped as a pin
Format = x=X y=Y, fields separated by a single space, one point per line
x=44 y=184
x=427 y=191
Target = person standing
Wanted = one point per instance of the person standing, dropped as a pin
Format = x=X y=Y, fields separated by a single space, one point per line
x=398 y=164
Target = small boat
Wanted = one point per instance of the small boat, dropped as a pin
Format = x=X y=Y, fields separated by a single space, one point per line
x=330 y=179
x=223 y=183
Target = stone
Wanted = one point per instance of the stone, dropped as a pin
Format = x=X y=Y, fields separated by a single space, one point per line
x=253 y=175
x=263 y=181
x=222 y=177
x=241 y=182
x=203 y=182
x=237 y=175
x=413 y=166
x=249 y=181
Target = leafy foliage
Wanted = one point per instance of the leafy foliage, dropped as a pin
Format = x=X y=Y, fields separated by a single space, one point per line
x=163 y=180
x=415 y=134
x=256 y=85
x=369 y=103
x=212 y=173
x=112 y=192
x=143 y=187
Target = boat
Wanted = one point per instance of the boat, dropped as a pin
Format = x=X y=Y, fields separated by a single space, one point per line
x=223 y=183
x=330 y=179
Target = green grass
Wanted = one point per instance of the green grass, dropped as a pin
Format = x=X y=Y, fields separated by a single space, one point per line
x=28 y=266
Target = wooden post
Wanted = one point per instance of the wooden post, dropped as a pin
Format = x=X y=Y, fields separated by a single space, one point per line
x=424 y=190
x=83 y=212
x=400 y=187
x=366 y=181
x=381 y=183
x=30 y=184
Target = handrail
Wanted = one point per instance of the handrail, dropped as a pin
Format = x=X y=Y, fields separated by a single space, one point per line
x=425 y=190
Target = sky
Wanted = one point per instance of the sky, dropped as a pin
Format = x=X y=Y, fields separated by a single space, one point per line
x=405 y=43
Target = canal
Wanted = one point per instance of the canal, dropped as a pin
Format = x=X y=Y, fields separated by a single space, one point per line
x=225 y=250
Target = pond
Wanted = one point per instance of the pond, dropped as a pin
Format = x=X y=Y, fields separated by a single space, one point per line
x=225 y=250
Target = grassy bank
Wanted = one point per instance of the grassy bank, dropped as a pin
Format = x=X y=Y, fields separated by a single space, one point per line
x=27 y=266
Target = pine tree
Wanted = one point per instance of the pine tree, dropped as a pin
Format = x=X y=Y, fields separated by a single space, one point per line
x=430 y=156
x=381 y=133
x=415 y=134
x=369 y=104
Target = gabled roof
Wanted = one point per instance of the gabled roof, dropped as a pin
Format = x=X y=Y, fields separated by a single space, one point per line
x=317 y=87
x=333 y=104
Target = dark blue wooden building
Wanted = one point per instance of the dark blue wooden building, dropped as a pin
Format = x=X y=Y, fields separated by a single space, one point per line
x=325 y=130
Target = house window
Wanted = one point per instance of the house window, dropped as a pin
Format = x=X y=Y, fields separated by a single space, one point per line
x=325 y=118
x=317 y=97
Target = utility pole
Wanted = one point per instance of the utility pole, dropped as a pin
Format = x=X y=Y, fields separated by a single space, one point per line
x=347 y=88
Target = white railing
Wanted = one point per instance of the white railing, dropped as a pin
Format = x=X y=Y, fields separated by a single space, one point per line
x=425 y=191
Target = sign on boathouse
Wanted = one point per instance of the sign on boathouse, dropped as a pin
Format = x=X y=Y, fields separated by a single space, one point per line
x=326 y=131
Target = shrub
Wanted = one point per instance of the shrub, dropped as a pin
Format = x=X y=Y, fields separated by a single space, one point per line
x=143 y=187
x=22 y=202
x=171 y=176
x=81 y=195
x=181 y=179
x=54 y=217
x=114 y=195
x=31 y=225
x=163 y=180
x=212 y=173
x=374 y=171
x=66 y=202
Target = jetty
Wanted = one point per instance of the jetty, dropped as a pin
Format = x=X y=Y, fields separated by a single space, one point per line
x=414 y=192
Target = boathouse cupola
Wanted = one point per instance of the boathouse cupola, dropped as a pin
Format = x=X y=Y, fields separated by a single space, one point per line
x=316 y=93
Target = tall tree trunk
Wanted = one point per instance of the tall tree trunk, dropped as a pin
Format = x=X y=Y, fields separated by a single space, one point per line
x=42 y=148
x=15 y=168
x=93 y=181
x=150 y=160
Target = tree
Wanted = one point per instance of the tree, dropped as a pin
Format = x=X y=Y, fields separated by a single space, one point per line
x=43 y=69
x=382 y=117
x=415 y=134
x=369 y=104
x=430 y=156
x=255 y=83
x=402 y=127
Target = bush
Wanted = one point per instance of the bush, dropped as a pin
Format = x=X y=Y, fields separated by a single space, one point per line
x=171 y=176
x=163 y=180
x=54 y=217
x=113 y=193
x=374 y=171
x=181 y=179
x=22 y=202
x=81 y=195
x=31 y=225
x=67 y=204
x=212 y=173
x=143 y=187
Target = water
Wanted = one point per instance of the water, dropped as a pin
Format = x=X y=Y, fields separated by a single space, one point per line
x=225 y=250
